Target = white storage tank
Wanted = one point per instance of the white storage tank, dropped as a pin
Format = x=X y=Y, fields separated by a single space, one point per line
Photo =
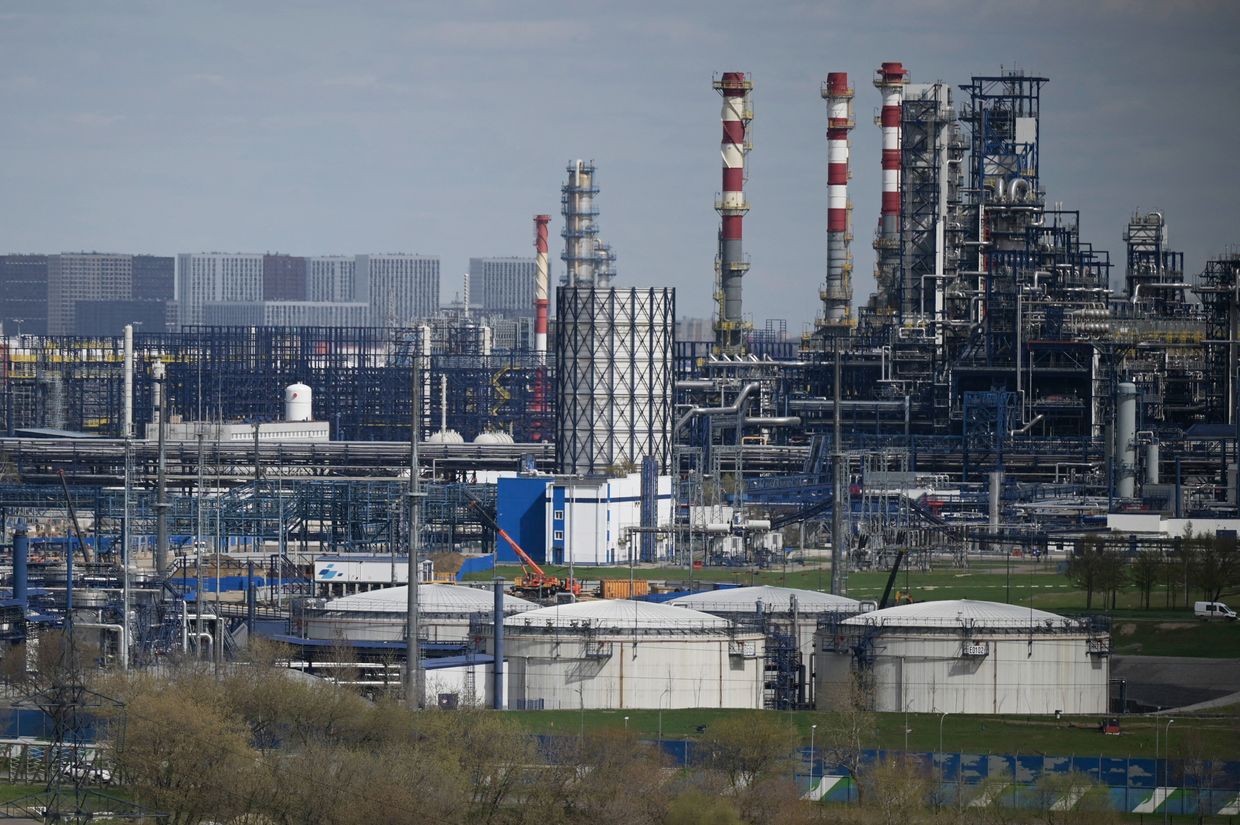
x=965 y=656
x=445 y=437
x=630 y=654
x=493 y=437
x=786 y=610
x=445 y=611
x=298 y=403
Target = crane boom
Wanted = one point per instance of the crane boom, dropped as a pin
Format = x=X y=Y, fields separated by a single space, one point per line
x=534 y=579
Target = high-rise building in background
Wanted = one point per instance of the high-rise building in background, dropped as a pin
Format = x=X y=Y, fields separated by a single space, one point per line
x=83 y=276
x=214 y=277
x=154 y=278
x=284 y=278
x=400 y=289
x=109 y=316
x=23 y=294
x=502 y=286
x=286 y=314
x=330 y=278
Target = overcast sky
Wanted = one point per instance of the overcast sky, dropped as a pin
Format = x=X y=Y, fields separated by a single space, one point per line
x=316 y=127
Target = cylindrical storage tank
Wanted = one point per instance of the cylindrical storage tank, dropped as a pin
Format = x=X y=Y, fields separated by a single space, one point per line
x=1126 y=440
x=445 y=613
x=964 y=656
x=614 y=380
x=789 y=610
x=445 y=437
x=624 y=654
x=1151 y=462
x=298 y=403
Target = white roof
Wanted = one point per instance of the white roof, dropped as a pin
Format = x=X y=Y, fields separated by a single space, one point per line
x=745 y=599
x=961 y=613
x=618 y=614
x=432 y=598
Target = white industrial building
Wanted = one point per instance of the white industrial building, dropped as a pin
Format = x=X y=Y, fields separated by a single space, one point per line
x=965 y=656
x=630 y=654
x=445 y=612
x=588 y=518
x=781 y=610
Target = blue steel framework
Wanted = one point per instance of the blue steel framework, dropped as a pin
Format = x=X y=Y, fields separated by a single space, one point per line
x=359 y=377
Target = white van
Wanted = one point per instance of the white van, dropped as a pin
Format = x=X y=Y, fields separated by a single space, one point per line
x=1213 y=610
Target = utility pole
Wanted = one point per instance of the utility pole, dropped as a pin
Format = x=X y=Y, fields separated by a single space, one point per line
x=840 y=485
x=413 y=653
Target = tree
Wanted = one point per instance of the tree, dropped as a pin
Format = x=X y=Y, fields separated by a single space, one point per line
x=1112 y=574
x=843 y=733
x=1096 y=569
x=1215 y=566
x=623 y=782
x=697 y=808
x=751 y=747
x=183 y=753
x=897 y=791
x=1145 y=571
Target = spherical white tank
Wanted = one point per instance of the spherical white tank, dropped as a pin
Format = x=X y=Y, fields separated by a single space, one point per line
x=298 y=403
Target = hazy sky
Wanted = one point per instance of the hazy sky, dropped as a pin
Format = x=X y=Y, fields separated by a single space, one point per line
x=317 y=127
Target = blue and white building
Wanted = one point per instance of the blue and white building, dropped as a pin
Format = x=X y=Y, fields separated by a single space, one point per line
x=581 y=519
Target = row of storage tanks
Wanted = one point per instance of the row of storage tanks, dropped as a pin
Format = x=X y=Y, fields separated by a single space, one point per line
x=710 y=649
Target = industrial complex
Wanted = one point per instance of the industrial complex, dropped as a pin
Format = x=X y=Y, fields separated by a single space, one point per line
x=314 y=451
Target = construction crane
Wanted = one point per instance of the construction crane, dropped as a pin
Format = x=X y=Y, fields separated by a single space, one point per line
x=533 y=581
x=901 y=596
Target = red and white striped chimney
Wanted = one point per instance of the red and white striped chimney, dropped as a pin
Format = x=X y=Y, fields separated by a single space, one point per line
x=890 y=79
x=729 y=328
x=541 y=282
x=837 y=295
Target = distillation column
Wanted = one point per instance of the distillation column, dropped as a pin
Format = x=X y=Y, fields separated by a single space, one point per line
x=580 y=227
x=837 y=294
x=890 y=80
x=730 y=264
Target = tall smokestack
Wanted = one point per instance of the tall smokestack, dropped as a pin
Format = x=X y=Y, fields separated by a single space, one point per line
x=837 y=294
x=890 y=79
x=731 y=264
x=541 y=282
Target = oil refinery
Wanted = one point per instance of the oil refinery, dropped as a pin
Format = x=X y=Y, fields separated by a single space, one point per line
x=1007 y=391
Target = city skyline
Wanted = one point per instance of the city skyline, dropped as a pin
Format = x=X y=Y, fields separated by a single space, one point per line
x=396 y=126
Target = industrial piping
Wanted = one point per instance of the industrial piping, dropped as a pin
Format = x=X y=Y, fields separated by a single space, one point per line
x=890 y=79
x=731 y=264
x=837 y=294
x=742 y=399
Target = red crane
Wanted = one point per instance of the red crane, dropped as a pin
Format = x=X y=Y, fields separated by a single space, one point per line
x=533 y=581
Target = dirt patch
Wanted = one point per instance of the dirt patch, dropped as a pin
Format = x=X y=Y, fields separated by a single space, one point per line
x=1126 y=629
x=1175 y=625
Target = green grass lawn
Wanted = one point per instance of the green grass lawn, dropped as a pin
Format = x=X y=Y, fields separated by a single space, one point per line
x=1076 y=736
x=1024 y=583
x=1181 y=636
x=10 y=792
